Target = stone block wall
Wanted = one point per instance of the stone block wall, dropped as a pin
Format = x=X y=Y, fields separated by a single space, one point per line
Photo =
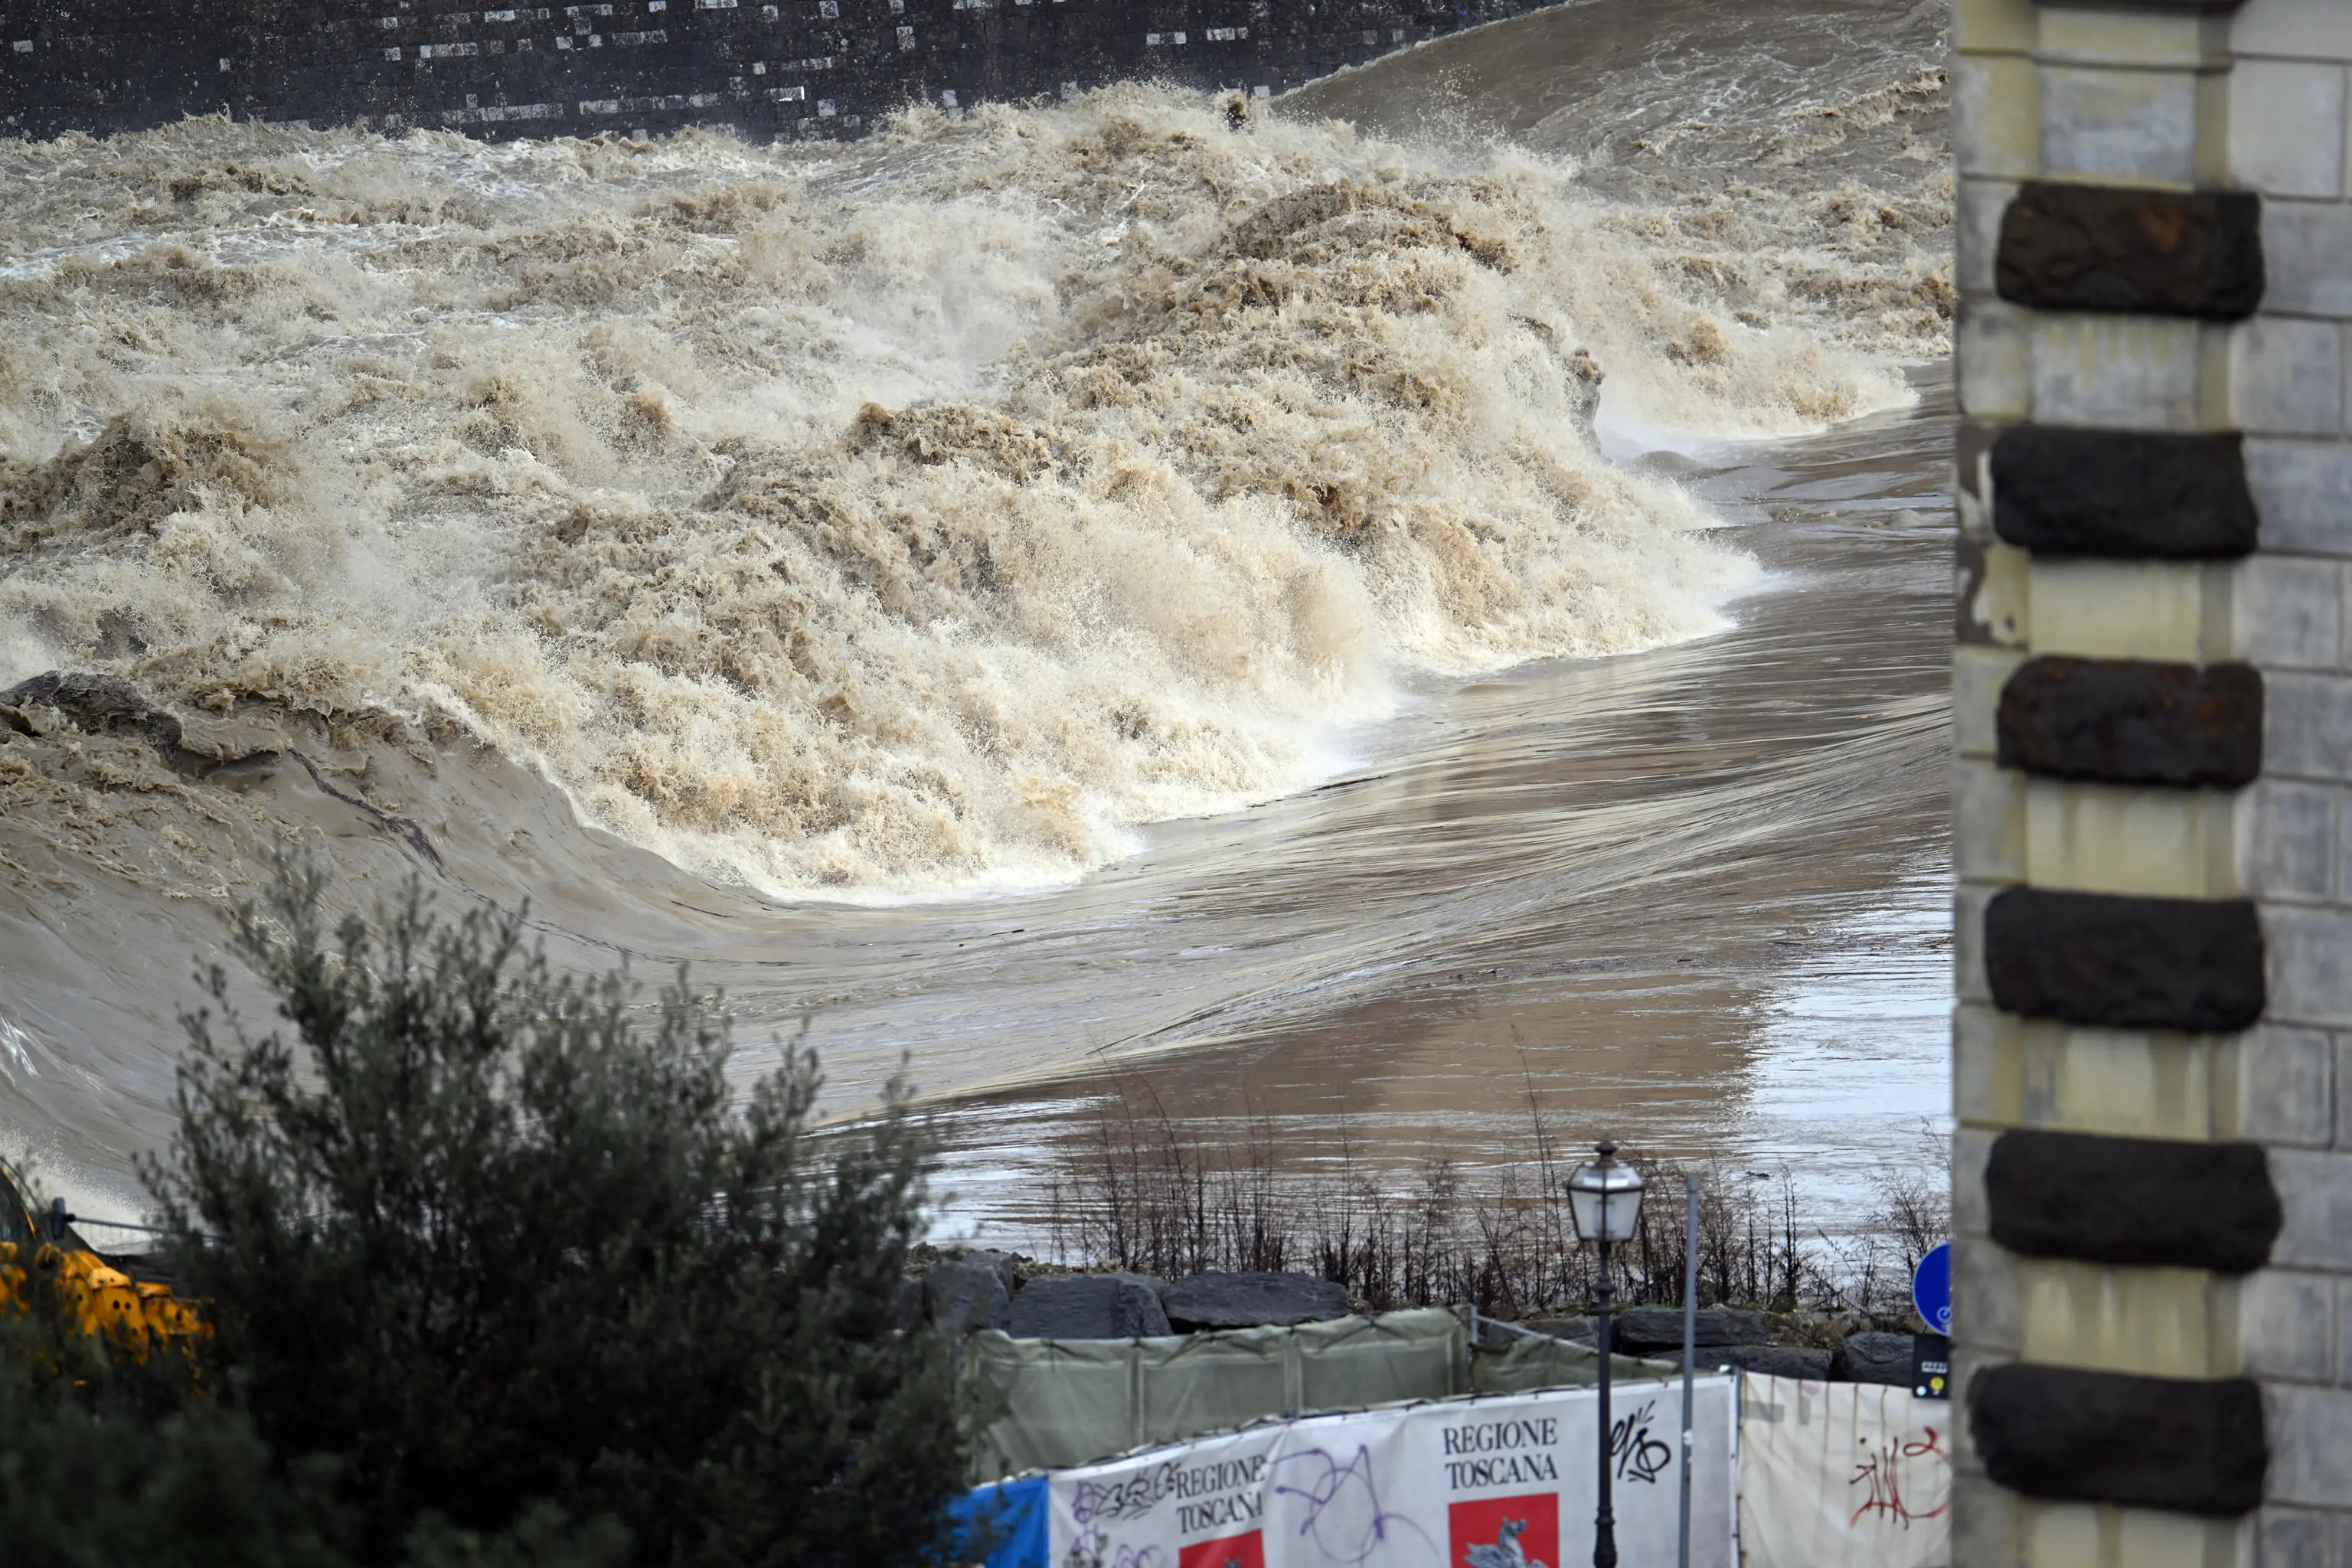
x=2153 y=793
x=793 y=69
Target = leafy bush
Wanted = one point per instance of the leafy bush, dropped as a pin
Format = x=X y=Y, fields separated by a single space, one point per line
x=519 y=1278
x=104 y=1460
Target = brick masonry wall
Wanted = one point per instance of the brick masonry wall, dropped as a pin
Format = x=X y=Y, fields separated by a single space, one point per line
x=795 y=69
x=2121 y=335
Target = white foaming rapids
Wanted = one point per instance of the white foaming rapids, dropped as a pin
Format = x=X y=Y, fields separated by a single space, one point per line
x=916 y=516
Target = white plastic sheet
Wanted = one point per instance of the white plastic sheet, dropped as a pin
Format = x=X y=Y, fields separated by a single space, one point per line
x=1843 y=1475
x=1500 y=1482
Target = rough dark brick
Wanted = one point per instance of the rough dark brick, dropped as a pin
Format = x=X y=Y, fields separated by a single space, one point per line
x=2124 y=963
x=2133 y=721
x=2111 y=248
x=2136 y=1202
x=2186 y=1445
x=2125 y=493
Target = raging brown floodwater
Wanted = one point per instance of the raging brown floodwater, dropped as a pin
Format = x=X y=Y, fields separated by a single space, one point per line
x=1100 y=594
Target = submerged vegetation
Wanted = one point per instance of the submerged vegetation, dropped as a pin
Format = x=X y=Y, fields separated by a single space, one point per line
x=498 y=1274
x=1140 y=1193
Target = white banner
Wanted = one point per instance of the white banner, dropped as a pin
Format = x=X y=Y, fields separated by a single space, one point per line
x=1498 y=1482
x=1844 y=1475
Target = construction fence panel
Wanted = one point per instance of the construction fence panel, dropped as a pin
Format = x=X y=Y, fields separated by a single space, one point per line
x=1532 y=1361
x=1505 y=1481
x=1843 y=1475
x=1060 y=1403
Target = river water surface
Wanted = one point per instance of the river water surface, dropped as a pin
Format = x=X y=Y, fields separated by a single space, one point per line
x=1127 y=595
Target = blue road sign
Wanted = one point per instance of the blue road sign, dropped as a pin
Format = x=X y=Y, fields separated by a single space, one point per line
x=1931 y=1288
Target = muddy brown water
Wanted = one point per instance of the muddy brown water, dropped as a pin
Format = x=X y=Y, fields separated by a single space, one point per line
x=1695 y=897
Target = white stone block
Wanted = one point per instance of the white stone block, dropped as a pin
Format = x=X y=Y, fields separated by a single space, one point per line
x=1979 y=1075
x=1971 y=1147
x=2309 y=952
x=2127 y=125
x=2286 y=611
x=2307 y=726
x=2310 y=1444
x=2304 y=491
x=1988 y=822
x=2286 y=1087
x=2294 y=1538
x=2343 y=1140
x=1994 y=344
x=1994 y=128
x=2287 y=1326
x=2291 y=834
x=1976 y=238
x=1968 y=942
x=1978 y=675
x=2300 y=30
x=2138 y=372
x=2286 y=128
x=2307 y=259
x=1987 y=1530
x=2286 y=377
x=1985 y=1296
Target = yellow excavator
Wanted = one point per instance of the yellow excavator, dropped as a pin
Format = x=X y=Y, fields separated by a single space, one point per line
x=113 y=1296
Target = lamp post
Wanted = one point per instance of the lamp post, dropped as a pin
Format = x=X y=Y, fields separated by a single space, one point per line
x=1605 y=1198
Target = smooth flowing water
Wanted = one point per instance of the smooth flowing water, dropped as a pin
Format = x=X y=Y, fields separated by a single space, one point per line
x=1141 y=586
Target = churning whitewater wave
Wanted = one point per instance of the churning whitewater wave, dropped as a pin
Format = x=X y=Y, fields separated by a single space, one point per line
x=918 y=515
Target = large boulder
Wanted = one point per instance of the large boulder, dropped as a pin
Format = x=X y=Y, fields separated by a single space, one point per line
x=1247 y=1300
x=1638 y=1331
x=1088 y=1307
x=1874 y=1358
x=1779 y=1360
x=973 y=1291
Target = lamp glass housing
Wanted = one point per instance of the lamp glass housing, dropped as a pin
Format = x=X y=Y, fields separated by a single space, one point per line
x=1605 y=1197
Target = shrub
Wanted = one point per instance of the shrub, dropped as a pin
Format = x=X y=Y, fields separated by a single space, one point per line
x=105 y=1459
x=514 y=1267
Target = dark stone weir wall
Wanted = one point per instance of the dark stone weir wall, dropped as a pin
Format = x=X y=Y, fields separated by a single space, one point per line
x=793 y=69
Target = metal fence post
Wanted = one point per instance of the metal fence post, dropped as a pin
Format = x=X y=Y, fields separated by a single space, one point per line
x=1690 y=1347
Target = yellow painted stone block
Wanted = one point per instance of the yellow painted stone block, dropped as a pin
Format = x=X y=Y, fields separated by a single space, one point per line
x=2128 y=38
x=2116 y=838
x=2212 y=127
x=2086 y=1535
x=2118 y=609
x=2034 y=1072
x=2007 y=27
x=2158 y=1322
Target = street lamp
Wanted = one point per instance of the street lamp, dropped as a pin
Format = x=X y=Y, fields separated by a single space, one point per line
x=1605 y=1198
